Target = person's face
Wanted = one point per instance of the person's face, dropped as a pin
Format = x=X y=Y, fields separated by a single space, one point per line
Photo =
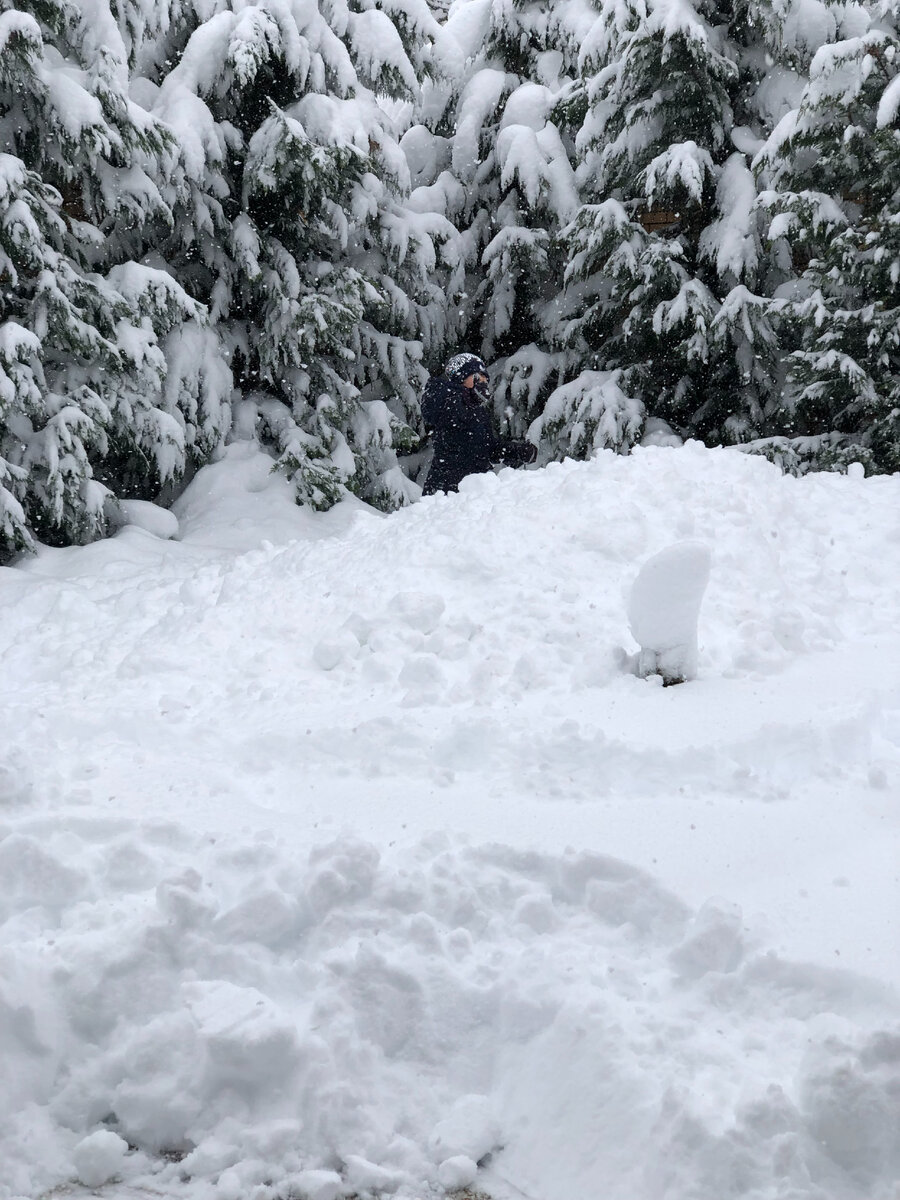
x=477 y=377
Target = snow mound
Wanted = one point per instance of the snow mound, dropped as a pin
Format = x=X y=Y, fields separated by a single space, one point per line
x=161 y=522
x=348 y=1020
x=342 y=855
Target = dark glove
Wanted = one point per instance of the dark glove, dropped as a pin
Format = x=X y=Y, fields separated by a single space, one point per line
x=518 y=454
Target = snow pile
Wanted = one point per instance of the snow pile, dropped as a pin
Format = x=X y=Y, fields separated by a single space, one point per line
x=263 y=1017
x=343 y=855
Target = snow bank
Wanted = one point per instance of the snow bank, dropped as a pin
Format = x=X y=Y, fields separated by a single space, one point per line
x=258 y=1015
x=342 y=855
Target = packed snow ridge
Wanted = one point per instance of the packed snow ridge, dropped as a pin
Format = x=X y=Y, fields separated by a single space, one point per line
x=345 y=854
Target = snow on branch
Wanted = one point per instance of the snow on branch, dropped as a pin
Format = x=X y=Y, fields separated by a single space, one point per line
x=889 y=104
x=19 y=32
x=379 y=52
x=463 y=35
x=587 y=414
x=677 y=17
x=730 y=241
x=478 y=103
x=694 y=308
x=683 y=169
x=794 y=211
x=539 y=161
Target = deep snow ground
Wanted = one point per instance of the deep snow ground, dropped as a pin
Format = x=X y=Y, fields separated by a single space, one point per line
x=342 y=851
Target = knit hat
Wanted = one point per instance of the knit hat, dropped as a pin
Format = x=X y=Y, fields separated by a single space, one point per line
x=461 y=366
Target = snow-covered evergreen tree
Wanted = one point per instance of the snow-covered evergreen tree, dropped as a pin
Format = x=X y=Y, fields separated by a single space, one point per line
x=664 y=266
x=90 y=406
x=670 y=276
x=835 y=161
x=500 y=172
x=290 y=224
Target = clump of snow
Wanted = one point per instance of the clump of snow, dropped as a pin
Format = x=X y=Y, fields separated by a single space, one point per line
x=714 y=941
x=457 y=1172
x=99 y=1157
x=469 y=1131
x=657 y=432
x=458 y=903
x=316 y=1185
x=161 y=522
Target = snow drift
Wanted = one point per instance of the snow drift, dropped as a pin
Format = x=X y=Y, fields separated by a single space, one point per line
x=341 y=854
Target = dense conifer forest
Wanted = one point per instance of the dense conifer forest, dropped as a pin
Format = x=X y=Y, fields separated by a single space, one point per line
x=654 y=218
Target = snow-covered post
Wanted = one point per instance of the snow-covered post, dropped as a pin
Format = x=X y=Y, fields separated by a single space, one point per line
x=663 y=609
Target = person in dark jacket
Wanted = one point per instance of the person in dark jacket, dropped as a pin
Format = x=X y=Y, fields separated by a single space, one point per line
x=454 y=409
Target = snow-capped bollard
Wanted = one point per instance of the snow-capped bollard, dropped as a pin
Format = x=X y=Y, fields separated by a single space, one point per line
x=663 y=609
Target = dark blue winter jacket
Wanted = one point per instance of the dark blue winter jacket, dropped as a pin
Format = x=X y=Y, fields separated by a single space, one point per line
x=464 y=442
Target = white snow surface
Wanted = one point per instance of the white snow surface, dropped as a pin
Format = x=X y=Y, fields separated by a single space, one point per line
x=341 y=854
